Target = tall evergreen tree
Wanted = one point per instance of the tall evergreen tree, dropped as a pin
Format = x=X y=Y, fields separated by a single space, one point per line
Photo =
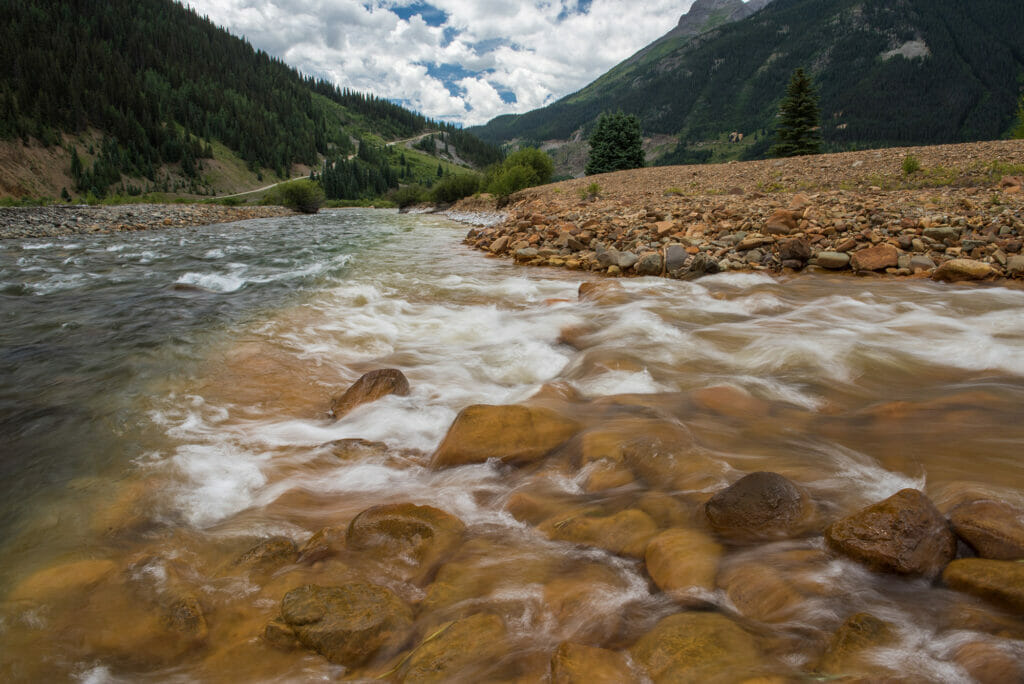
x=799 y=129
x=616 y=144
x=1018 y=132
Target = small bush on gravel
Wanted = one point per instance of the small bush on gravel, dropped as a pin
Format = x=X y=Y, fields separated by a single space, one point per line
x=408 y=195
x=453 y=188
x=911 y=165
x=299 y=195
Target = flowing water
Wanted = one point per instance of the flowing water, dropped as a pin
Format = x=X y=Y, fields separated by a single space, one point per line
x=164 y=406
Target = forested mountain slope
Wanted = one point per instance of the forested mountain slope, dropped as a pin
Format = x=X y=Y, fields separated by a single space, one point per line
x=161 y=85
x=890 y=72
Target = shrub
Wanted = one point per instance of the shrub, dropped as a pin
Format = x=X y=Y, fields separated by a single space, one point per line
x=911 y=165
x=511 y=179
x=453 y=188
x=535 y=159
x=592 y=191
x=299 y=195
x=408 y=195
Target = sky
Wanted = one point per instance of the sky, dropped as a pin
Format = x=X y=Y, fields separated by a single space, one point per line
x=461 y=61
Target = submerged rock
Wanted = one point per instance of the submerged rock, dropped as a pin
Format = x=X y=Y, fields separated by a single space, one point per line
x=269 y=554
x=680 y=560
x=513 y=434
x=59 y=580
x=348 y=624
x=760 y=592
x=626 y=532
x=406 y=533
x=903 y=534
x=850 y=647
x=465 y=650
x=998 y=581
x=992 y=528
x=579 y=664
x=697 y=648
x=324 y=543
x=759 y=506
x=370 y=387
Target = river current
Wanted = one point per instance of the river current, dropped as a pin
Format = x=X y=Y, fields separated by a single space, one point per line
x=164 y=406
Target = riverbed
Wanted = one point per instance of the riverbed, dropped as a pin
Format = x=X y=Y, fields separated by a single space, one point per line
x=164 y=405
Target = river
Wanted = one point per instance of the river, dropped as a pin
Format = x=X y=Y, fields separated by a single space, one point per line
x=164 y=406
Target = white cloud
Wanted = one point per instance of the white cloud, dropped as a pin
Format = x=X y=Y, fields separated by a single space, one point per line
x=538 y=50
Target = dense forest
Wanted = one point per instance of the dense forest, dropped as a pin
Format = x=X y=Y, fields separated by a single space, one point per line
x=732 y=78
x=162 y=83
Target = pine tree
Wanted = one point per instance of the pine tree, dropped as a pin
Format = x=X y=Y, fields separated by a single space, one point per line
x=799 y=129
x=1018 y=131
x=616 y=144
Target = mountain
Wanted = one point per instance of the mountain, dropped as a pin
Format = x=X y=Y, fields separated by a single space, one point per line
x=147 y=93
x=889 y=72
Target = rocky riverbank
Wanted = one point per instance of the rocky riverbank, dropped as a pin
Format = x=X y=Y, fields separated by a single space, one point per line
x=60 y=220
x=953 y=212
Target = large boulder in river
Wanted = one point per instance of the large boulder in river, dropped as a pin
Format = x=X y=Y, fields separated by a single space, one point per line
x=759 y=506
x=696 y=648
x=904 y=534
x=348 y=624
x=405 y=533
x=1001 y=582
x=512 y=434
x=994 y=529
x=466 y=650
x=371 y=387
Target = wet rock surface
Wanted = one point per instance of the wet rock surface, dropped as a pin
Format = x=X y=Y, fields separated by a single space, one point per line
x=56 y=221
x=853 y=211
x=513 y=434
x=348 y=624
x=904 y=534
x=1001 y=582
x=759 y=506
x=994 y=529
x=697 y=647
x=369 y=388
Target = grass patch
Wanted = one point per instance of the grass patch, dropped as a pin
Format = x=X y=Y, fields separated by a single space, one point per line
x=590 y=192
x=911 y=165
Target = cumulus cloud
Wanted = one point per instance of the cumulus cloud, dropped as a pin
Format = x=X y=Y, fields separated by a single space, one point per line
x=463 y=61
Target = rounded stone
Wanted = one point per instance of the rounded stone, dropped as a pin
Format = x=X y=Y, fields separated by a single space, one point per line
x=759 y=506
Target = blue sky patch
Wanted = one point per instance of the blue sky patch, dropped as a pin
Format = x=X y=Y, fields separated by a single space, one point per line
x=430 y=14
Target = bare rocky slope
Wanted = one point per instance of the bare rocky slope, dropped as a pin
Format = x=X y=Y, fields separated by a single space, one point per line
x=958 y=216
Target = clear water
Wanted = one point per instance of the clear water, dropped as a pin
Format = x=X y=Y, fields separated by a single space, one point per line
x=164 y=397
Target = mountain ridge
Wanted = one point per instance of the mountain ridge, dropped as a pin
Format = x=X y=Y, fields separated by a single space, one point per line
x=889 y=73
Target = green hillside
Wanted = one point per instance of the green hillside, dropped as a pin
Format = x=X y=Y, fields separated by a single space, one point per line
x=163 y=88
x=890 y=72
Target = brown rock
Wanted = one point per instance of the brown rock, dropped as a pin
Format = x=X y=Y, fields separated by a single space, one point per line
x=370 y=387
x=349 y=624
x=269 y=554
x=60 y=580
x=579 y=664
x=799 y=202
x=781 y=222
x=695 y=648
x=599 y=290
x=903 y=534
x=794 y=249
x=992 y=528
x=499 y=245
x=876 y=258
x=853 y=642
x=1001 y=582
x=467 y=650
x=512 y=434
x=626 y=532
x=958 y=270
x=406 y=534
x=326 y=542
x=759 y=506
x=679 y=560
x=989 y=663
x=760 y=592
x=731 y=401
